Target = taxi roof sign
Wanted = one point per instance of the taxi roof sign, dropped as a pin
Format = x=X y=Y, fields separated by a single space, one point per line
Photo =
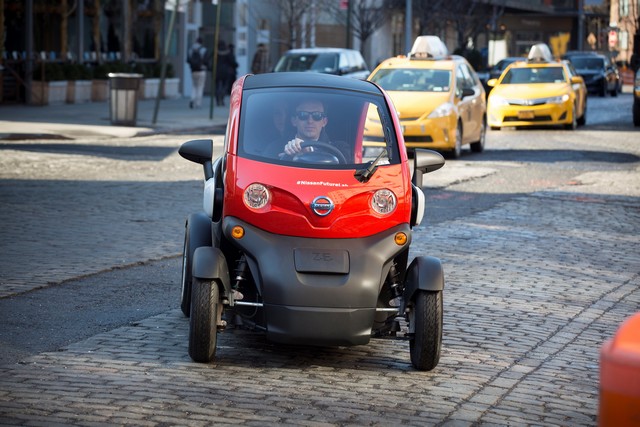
x=540 y=53
x=427 y=47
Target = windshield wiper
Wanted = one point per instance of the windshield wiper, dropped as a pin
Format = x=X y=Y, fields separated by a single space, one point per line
x=364 y=175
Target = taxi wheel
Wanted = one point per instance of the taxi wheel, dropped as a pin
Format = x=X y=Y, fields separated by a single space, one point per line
x=574 y=121
x=582 y=120
x=457 y=149
x=495 y=127
x=478 y=146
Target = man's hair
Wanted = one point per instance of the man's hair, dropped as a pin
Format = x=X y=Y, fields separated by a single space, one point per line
x=311 y=100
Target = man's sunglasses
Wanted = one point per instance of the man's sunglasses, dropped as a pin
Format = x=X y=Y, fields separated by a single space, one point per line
x=315 y=115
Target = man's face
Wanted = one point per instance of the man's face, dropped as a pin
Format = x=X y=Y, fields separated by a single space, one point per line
x=309 y=119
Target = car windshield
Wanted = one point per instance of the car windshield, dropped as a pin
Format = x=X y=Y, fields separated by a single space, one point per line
x=320 y=63
x=533 y=75
x=413 y=80
x=588 y=63
x=353 y=128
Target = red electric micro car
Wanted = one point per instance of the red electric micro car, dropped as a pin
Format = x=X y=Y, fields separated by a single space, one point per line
x=313 y=248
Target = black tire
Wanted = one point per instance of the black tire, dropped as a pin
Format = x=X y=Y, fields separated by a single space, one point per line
x=603 y=89
x=203 y=331
x=574 y=122
x=636 y=114
x=185 y=281
x=495 y=127
x=426 y=342
x=478 y=146
x=582 y=120
x=192 y=241
x=457 y=148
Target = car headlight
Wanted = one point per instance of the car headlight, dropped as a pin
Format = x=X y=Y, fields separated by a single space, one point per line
x=384 y=201
x=498 y=101
x=443 y=110
x=256 y=196
x=558 y=99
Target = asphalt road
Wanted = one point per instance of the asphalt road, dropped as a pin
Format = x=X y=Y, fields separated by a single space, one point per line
x=92 y=229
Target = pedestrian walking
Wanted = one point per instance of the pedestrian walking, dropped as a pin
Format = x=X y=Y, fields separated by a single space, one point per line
x=261 y=63
x=197 y=59
x=225 y=69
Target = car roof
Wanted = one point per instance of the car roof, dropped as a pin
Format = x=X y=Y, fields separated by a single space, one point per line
x=318 y=50
x=304 y=79
x=446 y=63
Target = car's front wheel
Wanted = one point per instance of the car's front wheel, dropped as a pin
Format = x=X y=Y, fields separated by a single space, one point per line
x=574 y=120
x=426 y=341
x=203 y=330
x=457 y=148
x=478 y=146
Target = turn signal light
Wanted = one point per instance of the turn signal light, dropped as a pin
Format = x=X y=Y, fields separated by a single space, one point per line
x=401 y=239
x=237 y=232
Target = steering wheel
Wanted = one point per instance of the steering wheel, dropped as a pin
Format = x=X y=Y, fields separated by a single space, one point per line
x=326 y=147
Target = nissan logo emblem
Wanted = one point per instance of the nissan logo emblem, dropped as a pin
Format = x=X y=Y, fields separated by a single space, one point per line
x=322 y=206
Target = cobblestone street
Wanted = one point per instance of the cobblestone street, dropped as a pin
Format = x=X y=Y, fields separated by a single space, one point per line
x=534 y=285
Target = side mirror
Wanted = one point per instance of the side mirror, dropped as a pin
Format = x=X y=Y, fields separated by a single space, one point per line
x=492 y=82
x=199 y=151
x=468 y=92
x=425 y=161
x=577 y=79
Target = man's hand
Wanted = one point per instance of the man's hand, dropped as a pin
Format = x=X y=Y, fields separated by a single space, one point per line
x=293 y=147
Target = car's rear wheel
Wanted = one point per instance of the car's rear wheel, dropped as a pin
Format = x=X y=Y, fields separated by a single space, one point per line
x=203 y=331
x=636 y=114
x=478 y=146
x=426 y=342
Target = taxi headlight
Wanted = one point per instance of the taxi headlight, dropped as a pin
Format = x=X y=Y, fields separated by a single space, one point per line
x=498 y=101
x=383 y=201
x=443 y=110
x=558 y=99
x=256 y=196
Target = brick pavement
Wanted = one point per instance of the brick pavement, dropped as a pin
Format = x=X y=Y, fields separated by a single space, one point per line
x=534 y=286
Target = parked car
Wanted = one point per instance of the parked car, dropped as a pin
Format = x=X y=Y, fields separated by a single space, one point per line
x=538 y=92
x=439 y=98
x=636 y=99
x=600 y=74
x=311 y=247
x=338 y=61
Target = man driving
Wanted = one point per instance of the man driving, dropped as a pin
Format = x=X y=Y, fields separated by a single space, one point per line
x=309 y=119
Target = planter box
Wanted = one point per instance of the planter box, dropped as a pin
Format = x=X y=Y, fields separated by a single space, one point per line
x=171 y=88
x=99 y=90
x=47 y=93
x=79 y=91
x=148 y=88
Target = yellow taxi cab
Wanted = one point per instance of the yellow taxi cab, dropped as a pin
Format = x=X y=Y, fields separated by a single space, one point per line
x=438 y=97
x=538 y=92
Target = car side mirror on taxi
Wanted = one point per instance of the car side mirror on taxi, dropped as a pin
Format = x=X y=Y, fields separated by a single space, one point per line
x=492 y=82
x=577 y=80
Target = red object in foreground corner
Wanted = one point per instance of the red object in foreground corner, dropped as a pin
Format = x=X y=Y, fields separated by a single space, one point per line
x=620 y=376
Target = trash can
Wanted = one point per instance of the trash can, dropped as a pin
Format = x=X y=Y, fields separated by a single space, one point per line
x=123 y=98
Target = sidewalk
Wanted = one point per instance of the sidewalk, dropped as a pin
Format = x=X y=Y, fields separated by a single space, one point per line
x=91 y=120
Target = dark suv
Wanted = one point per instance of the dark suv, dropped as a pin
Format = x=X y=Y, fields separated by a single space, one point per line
x=328 y=60
x=599 y=73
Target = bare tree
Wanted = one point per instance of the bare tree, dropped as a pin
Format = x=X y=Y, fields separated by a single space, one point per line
x=367 y=16
x=292 y=11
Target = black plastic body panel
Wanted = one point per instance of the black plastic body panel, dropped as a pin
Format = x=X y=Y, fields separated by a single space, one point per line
x=317 y=308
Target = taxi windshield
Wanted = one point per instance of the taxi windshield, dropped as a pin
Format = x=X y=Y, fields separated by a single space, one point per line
x=334 y=128
x=533 y=75
x=413 y=80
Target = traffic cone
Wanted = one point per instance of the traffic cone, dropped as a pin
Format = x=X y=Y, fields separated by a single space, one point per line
x=620 y=377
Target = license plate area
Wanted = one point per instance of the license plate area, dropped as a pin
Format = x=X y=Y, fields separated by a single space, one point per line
x=526 y=115
x=312 y=260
